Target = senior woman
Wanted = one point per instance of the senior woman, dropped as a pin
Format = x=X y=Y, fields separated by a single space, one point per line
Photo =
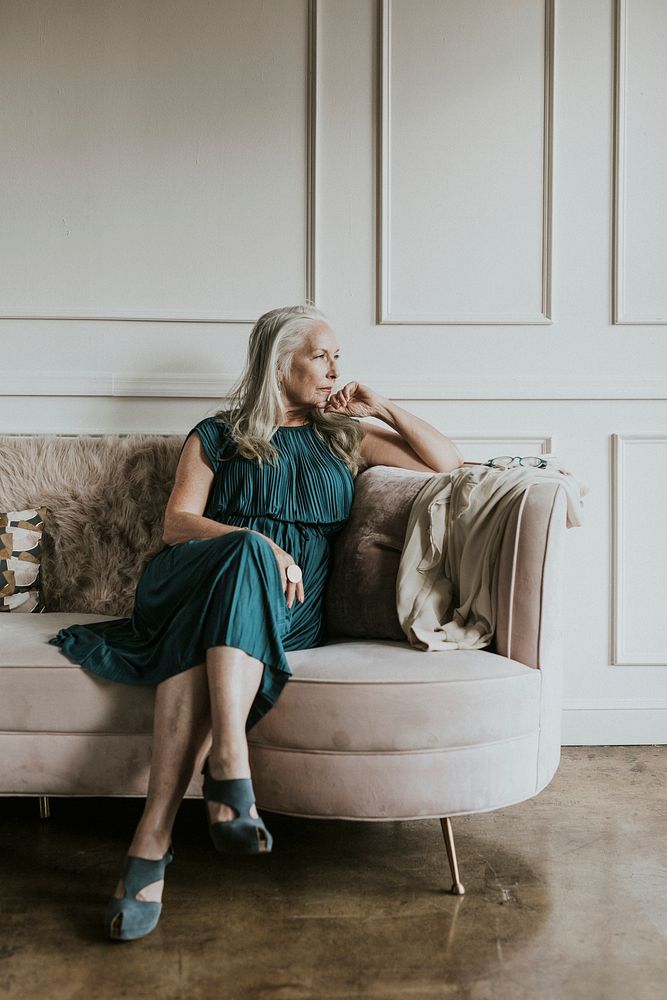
x=260 y=489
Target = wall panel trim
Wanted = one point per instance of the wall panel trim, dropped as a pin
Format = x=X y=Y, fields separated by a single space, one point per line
x=619 y=654
x=215 y=385
x=310 y=280
x=383 y=243
x=618 y=316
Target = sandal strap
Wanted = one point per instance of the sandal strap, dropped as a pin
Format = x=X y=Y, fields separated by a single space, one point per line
x=235 y=792
x=140 y=872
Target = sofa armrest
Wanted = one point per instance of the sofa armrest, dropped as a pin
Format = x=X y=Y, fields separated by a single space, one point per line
x=529 y=580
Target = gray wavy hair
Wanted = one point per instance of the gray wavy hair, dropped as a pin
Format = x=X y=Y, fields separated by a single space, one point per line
x=256 y=406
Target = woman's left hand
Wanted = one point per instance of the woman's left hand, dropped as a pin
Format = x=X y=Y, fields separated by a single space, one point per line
x=354 y=400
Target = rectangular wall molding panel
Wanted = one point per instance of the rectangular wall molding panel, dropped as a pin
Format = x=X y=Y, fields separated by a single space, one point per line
x=465 y=192
x=639 y=292
x=639 y=550
x=163 y=206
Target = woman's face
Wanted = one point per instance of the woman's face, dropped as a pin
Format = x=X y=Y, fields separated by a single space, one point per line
x=314 y=371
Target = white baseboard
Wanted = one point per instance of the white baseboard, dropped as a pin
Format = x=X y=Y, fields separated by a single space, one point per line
x=606 y=726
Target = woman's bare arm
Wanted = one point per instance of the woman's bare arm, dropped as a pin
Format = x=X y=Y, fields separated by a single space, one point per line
x=184 y=519
x=412 y=444
x=183 y=516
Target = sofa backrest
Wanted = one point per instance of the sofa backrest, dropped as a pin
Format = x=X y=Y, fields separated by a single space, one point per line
x=105 y=498
x=360 y=597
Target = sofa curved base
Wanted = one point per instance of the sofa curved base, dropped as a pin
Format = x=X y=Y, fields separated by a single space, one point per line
x=366 y=787
x=398 y=786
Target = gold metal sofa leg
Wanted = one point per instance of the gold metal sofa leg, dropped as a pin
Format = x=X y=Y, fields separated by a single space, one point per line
x=44 y=808
x=457 y=889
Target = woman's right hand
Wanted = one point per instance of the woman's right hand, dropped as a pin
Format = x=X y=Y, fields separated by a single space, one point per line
x=289 y=589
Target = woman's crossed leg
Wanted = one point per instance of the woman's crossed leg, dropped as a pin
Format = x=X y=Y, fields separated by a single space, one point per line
x=205 y=704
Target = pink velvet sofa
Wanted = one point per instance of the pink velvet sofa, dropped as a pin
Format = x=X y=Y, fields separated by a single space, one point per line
x=368 y=727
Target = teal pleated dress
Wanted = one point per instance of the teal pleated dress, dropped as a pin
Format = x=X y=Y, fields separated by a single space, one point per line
x=228 y=590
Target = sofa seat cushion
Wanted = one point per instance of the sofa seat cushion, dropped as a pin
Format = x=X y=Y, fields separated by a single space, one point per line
x=42 y=692
x=350 y=696
x=376 y=696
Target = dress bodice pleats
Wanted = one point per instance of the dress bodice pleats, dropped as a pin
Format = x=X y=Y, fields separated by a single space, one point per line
x=308 y=485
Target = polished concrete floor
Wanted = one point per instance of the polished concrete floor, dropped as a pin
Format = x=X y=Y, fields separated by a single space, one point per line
x=566 y=898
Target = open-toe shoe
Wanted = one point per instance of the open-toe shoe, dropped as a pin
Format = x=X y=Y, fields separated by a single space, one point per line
x=127 y=917
x=245 y=834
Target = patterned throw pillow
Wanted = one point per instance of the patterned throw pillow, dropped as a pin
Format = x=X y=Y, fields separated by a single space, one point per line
x=20 y=557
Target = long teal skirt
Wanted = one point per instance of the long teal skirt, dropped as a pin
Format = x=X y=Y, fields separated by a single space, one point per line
x=203 y=593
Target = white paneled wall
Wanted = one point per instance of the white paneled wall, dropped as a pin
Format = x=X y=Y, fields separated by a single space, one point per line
x=473 y=192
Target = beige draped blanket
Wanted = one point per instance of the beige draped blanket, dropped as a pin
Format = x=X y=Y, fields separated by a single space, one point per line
x=444 y=586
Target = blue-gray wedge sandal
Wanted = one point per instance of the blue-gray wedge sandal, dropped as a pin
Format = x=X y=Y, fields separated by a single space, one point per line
x=127 y=918
x=245 y=834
